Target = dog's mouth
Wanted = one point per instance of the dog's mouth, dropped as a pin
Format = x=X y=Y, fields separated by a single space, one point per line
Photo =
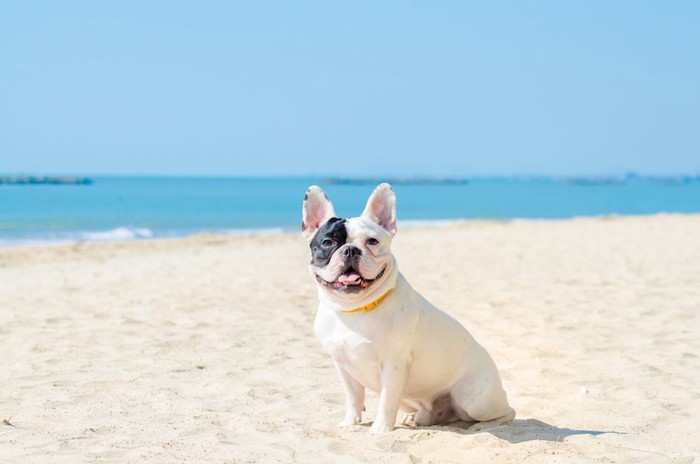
x=350 y=280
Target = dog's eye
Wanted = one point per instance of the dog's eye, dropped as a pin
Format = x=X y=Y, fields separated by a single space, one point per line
x=327 y=242
x=372 y=241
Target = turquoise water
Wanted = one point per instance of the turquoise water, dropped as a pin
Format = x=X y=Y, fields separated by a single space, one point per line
x=148 y=207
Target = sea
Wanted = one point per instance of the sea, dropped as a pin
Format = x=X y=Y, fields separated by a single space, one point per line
x=142 y=208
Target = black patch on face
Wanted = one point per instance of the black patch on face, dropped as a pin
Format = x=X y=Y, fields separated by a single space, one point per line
x=331 y=236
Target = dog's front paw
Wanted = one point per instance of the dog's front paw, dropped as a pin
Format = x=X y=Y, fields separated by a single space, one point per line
x=350 y=420
x=380 y=427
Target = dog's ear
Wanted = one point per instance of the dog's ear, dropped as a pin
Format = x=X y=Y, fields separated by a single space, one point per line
x=317 y=210
x=381 y=208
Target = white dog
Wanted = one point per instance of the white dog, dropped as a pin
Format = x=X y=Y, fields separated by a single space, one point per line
x=383 y=335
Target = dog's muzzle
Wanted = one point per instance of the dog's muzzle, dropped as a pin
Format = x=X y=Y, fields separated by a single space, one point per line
x=350 y=280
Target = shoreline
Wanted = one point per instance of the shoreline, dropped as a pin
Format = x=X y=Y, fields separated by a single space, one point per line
x=138 y=235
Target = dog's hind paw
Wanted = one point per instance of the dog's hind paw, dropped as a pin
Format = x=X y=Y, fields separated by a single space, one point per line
x=503 y=420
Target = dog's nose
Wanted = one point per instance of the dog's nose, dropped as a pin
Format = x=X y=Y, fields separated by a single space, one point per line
x=351 y=251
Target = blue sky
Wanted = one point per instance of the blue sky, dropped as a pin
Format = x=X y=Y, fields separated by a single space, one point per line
x=350 y=88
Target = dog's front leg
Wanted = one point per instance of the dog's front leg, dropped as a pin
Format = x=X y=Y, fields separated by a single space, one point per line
x=354 y=398
x=393 y=379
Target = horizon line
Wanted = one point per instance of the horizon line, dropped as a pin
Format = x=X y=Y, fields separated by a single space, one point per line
x=356 y=177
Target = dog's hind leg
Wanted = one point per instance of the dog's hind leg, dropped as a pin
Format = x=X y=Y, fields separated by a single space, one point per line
x=481 y=400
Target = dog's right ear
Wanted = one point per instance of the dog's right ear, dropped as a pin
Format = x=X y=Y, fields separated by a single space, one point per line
x=318 y=209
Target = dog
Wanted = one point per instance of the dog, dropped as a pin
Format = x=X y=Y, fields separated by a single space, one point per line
x=383 y=335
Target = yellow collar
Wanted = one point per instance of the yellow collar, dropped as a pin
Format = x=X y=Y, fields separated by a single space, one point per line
x=370 y=306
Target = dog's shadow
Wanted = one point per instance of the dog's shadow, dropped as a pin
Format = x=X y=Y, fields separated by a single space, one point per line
x=522 y=430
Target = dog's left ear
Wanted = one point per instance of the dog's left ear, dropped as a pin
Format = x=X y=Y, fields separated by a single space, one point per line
x=381 y=208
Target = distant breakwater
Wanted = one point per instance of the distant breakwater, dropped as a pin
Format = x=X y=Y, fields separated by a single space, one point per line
x=394 y=181
x=44 y=180
x=575 y=181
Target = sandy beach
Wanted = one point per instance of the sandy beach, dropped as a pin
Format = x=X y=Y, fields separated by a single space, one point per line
x=202 y=349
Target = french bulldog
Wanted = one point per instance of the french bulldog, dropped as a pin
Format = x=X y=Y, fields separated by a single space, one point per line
x=383 y=335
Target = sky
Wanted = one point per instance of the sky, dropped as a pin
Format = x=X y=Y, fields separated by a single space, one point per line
x=265 y=88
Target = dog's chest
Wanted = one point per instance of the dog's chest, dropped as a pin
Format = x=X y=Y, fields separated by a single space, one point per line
x=355 y=353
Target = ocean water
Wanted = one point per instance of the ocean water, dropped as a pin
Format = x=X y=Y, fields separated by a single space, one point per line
x=126 y=208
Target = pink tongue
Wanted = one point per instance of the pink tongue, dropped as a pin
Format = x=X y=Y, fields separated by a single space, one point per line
x=350 y=278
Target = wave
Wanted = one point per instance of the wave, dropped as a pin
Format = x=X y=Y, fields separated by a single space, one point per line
x=119 y=234
x=126 y=234
x=256 y=232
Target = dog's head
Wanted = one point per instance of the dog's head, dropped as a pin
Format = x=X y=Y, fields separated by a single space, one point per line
x=350 y=258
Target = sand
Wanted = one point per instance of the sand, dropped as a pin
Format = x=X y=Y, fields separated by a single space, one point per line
x=202 y=349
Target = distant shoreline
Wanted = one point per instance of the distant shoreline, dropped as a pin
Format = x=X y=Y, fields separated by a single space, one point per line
x=43 y=180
